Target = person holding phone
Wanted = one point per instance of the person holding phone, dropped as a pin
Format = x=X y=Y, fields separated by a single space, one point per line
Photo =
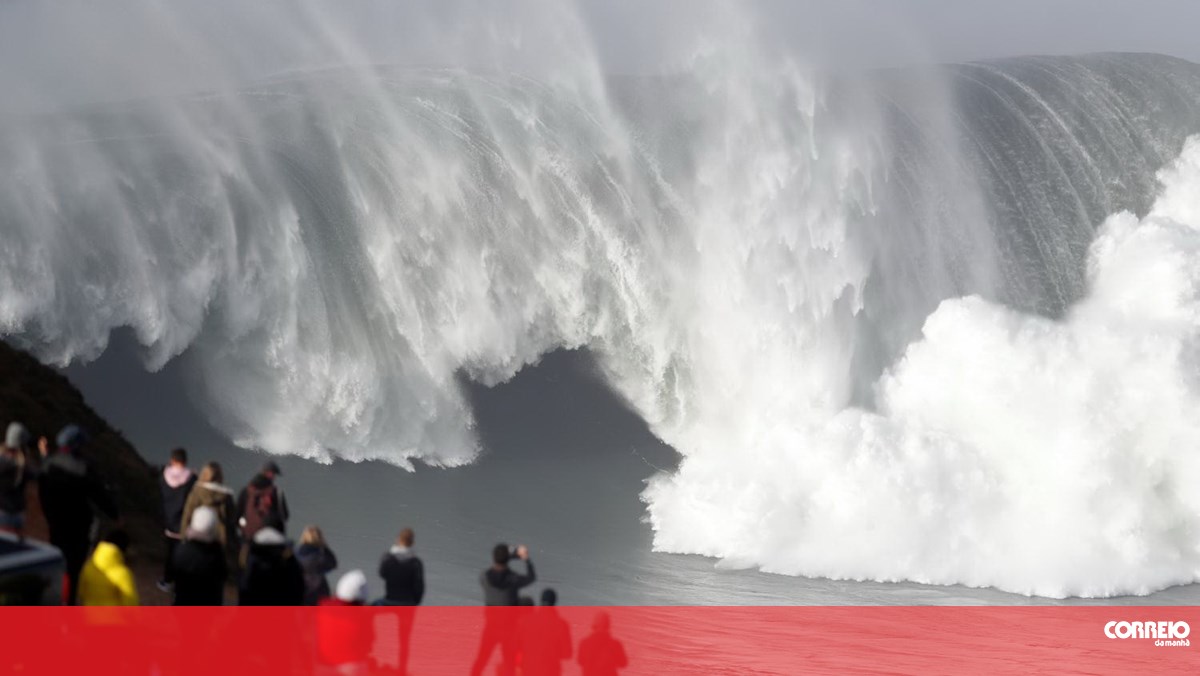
x=501 y=585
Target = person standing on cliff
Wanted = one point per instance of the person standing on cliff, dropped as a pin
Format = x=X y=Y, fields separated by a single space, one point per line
x=272 y=576
x=501 y=587
x=106 y=579
x=174 y=485
x=210 y=491
x=18 y=465
x=316 y=559
x=71 y=491
x=200 y=565
x=261 y=503
x=404 y=583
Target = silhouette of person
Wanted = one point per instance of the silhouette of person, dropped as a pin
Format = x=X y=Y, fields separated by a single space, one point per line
x=545 y=639
x=599 y=653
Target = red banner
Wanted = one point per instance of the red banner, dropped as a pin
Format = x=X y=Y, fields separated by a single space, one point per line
x=627 y=640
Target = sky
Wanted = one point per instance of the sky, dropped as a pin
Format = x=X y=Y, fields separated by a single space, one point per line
x=898 y=32
x=72 y=50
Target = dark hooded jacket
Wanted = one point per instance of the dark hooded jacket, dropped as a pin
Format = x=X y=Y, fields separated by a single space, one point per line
x=16 y=469
x=316 y=561
x=261 y=504
x=272 y=577
x=14 y=476
x=174 y=485
x=200 y=572
x=404 y=577
x=68 y=489
x=500 y=587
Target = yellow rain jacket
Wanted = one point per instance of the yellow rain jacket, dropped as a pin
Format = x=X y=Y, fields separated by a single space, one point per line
x=106 y=580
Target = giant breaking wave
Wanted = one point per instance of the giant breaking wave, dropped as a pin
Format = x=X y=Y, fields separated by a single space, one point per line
x=760 y=259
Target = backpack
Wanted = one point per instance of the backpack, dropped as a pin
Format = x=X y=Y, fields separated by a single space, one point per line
x=260 y=510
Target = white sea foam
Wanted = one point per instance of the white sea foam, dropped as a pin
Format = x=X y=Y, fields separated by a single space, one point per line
x=1043 y=457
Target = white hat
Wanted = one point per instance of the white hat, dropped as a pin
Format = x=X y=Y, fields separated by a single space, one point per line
x=204 y=524
x=352 y=588
x=269 y=536
x=17 y=436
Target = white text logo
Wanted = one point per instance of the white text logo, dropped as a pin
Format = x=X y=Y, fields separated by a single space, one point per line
x=1163 y=633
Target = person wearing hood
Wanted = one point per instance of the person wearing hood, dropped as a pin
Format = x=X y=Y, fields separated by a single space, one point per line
x=501 y=587
x=209 y=491
x=316 y=560
x=69 y=490
x=18 y=465
x=174 y=485
x=404 y=585
x=402 y=572
x=105 y=579
x=272 y=576
x=199 y=562
x=344 y=632
x=261 y=503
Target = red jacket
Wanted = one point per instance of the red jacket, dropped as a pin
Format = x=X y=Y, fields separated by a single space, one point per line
x=344 y=632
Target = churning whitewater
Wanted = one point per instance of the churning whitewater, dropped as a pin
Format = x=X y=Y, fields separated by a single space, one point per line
x=873 y=315
x=1037 y=456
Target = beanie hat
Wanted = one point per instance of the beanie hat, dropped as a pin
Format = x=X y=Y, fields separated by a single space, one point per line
x=352 y=588
x=17 y=436
x=71 y=437
x=204 y=524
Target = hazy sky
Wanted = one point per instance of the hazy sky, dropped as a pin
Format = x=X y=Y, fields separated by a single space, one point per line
x=883 y=32
x=955 y=30
x=81 y=49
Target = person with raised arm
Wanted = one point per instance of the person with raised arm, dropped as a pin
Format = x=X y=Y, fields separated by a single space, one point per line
x=501 y=587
